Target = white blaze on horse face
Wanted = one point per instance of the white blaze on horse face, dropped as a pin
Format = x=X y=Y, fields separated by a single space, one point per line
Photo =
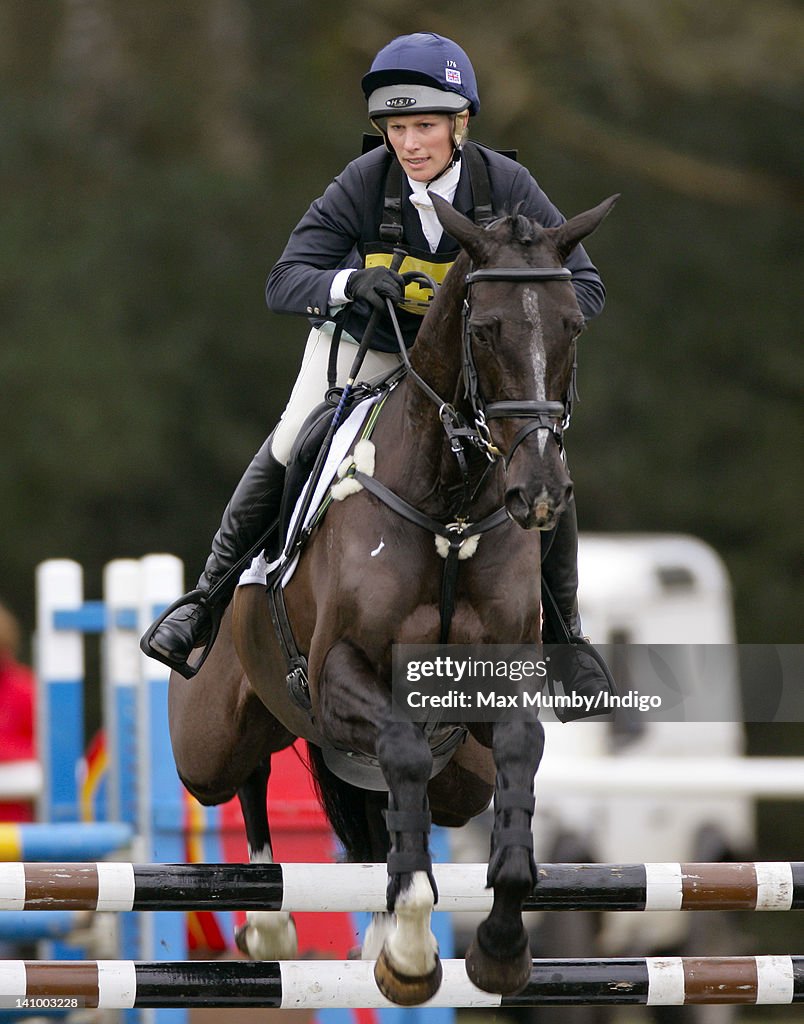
x=530 y=304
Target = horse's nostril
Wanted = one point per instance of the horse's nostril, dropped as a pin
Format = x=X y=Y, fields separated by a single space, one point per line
x=568 y=493
x=517 y=504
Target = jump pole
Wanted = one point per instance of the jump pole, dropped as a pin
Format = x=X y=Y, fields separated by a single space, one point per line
x=20 y=926
x=114 y=886
x=68 y=841
x=120 y=680
x=327 y=984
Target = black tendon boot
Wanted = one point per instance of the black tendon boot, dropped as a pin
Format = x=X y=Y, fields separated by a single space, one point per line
x=574 y=663
x=252 y=509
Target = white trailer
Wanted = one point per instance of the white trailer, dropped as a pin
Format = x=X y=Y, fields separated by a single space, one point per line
x=647 y=589
x=639 y=589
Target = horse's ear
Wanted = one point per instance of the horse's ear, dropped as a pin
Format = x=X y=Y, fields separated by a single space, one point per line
x=471 y=237
x=569 y=234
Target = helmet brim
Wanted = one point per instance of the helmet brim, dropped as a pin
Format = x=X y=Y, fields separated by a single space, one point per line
x=414 y=99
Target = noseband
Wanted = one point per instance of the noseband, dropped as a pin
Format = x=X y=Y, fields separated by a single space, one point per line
x=552 y=416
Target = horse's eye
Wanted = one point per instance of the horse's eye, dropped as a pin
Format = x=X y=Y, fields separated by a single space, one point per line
x=484 y=333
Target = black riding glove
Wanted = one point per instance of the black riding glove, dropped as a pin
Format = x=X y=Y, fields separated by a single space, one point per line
x=375 y=285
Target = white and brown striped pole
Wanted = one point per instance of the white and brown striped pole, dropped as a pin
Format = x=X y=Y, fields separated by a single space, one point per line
x=316 y=985
x=113 y=886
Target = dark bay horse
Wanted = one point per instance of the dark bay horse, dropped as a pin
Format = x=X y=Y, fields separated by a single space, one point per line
x=495 y=355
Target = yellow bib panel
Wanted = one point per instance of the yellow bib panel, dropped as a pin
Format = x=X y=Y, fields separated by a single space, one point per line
x=417 y=296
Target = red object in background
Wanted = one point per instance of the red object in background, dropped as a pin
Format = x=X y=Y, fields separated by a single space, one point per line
x=300 y=833
x=17 y=717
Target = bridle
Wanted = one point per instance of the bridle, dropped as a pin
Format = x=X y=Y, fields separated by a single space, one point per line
x=553 y=416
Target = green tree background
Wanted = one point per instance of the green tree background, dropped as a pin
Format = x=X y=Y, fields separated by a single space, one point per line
x=154 y=157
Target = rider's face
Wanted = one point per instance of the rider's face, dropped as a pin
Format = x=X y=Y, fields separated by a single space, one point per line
x=422 y=143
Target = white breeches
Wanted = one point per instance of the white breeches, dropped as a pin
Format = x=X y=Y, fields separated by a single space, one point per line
x=311 y=384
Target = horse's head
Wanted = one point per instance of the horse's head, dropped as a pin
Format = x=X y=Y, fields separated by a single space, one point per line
x=522 y=322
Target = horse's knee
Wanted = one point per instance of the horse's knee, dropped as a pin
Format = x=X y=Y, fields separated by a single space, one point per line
x=404 y=753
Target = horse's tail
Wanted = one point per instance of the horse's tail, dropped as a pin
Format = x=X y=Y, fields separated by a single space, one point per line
x=350 y=811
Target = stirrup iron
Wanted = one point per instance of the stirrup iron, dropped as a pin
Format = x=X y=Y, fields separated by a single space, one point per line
x=184 y=668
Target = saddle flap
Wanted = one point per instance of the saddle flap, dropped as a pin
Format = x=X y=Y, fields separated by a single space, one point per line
x=302 y=457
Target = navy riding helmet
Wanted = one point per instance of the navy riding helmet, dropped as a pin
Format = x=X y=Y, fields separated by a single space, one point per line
x=421 y=72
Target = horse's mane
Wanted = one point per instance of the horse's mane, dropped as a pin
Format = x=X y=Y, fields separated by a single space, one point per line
x=520 y=228
x=511 y=227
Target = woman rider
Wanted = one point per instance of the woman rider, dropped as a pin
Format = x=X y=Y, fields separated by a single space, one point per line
x=421 y=91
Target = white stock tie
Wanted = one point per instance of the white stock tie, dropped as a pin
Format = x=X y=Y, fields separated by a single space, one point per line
x=445 y=186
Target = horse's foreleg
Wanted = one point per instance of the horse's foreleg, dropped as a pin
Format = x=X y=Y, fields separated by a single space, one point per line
x=267 y=934
x=499 y=959
x=408 y=970
x=354 y=712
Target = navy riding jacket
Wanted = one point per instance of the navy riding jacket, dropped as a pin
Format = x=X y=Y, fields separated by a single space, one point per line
x=337 y=228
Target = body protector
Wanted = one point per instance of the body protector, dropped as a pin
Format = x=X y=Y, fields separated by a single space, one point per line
x=436 y=265
x=342 y=229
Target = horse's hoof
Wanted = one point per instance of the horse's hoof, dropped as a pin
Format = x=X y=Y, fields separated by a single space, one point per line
x=503 y=977
x=268 y=935
x=403 y=989
x=240 y=939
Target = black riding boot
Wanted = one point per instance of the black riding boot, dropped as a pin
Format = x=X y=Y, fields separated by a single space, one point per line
x=250 y=512
x=580 y=667
x=560 y=575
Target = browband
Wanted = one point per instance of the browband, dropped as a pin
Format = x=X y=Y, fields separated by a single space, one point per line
x=520 y=274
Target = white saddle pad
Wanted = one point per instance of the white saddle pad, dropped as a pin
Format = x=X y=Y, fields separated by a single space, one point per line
x=344 y=439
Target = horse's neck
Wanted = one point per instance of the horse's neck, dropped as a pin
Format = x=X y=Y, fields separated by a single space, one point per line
x=436 y=356
x=430 y=468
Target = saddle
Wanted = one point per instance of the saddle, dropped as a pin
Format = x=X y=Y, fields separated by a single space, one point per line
x=308 y=444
